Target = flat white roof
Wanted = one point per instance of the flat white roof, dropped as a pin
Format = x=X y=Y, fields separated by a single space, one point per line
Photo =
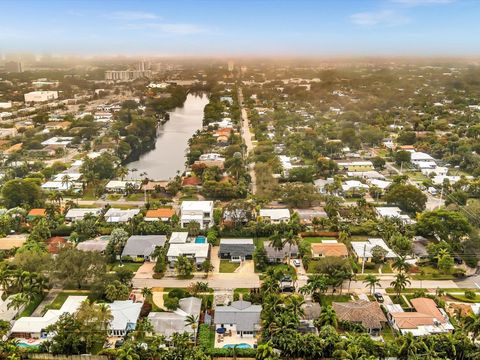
x=81 y=212
x=199 y=250
x=275 y=214
x=178 y=237
x=205 y=206
x=364 y=248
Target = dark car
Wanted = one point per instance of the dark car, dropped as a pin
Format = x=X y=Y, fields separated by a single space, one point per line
x=378 y=297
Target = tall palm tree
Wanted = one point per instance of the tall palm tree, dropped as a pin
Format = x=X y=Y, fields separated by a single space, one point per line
x=400 y=283
x=147 y=292
x=472 y=324
x=192 y=321
x=401 y=264
x=410 y=347
x=290 y=240
x=276 y=241
x=66 y=180
x=372 y=281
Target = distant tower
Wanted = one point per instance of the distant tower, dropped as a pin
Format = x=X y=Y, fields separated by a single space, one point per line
x=231 y=65
x=13 y=66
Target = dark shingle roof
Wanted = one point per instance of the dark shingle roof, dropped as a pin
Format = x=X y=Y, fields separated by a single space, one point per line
x=143 y=244
x=237 y=247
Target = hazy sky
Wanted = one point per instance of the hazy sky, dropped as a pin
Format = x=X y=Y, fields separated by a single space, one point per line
x=242 y=27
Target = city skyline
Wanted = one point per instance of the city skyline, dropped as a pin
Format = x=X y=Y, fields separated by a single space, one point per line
x=234 y=28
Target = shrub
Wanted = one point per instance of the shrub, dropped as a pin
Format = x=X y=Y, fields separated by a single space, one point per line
x=178 y=293
x=139 y=260
x=171 y=303
x=62 y=230
x=470 y=294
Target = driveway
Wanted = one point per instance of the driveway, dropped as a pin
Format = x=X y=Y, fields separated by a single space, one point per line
x=246 y=267
x=214 y=259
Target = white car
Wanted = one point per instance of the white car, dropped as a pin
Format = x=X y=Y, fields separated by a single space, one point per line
x=296 y=262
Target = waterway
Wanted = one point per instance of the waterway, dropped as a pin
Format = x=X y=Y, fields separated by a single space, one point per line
x=168 y=156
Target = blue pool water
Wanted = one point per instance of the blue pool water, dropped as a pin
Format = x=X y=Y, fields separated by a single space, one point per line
x=200 y=240
x=238 y=346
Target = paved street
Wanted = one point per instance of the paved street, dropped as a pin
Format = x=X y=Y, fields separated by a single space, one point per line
x=247 y=138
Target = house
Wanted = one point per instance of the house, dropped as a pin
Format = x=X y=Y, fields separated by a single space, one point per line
x=198 y=252
x=98 y=244
x=241 y=317
x=7 y=313
x=417 y=157
x=55 y=244
x=197 y=211
x=419 y=247
x=162 y=214
x=329 y=248
x=80 y=213
x=353 y=186
x=143 y=246
x=168 y=323
x=392 y=212
x=367 y=313
x=236 y=249
x=119 y=186
x=125 y=314
x=321 y=184
x=275 y=215
x=120 y=215
x=12 y=241
x=356 y=166
x=58 y=142
x=178 y=237
x=363 y=249
x=427 y=318
x=36 y=213
x=34 y=327
x=279 y=255
x=308 y=215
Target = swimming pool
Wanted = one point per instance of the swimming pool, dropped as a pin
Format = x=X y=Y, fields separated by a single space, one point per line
x=200 y=240
x=238 y=346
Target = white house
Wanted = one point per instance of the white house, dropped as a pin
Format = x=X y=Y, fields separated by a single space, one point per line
x=120 y=215
x=363 y=249
x=197 y=211
x=58 y=141
x=79 y=213
x=393 y=212
x=125 y=314
x=275 y=215
x=40 y=96
x=178 y=237
x=34 y=327
x=119 y=185
x=198 y=252
x=418 y=157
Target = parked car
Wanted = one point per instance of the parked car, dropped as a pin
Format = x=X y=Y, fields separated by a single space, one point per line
x=296 y=262
x=378 y=297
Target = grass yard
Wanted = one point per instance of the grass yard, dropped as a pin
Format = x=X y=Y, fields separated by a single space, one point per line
x=316 y=240
x=462 y=297
x=62 y=297
x=113 y=197
x=136 y=197
x=127 y=265
x=329 y=299
x=228 y=266
x=431 y=273
x=31 y=306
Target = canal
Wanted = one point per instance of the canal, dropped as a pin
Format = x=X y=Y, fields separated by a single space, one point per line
x=168 y=157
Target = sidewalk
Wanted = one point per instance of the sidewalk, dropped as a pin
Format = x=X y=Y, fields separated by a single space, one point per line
x=52 y=294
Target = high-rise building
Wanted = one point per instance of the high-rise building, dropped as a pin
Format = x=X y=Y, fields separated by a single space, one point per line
x=126 y=75
x=231 y=65
x=13 y=66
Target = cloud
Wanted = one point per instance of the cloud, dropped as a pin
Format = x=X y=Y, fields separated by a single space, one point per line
x=169 y=28
x=422 y=2
x=381 y=17
x=132 y=15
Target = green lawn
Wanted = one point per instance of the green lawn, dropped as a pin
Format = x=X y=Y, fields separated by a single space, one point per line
x=127 y=265
x=30 y=308
x=431 y=273
x=329 y=299
x=316 y=240
x=136 y=197
x=228 y=266
x=461 y=297
x=62 y=297
x=113 y=197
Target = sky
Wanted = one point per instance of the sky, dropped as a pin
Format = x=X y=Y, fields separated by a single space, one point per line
x=241 y=27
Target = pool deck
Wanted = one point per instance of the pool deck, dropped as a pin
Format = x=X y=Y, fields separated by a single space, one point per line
x=234 y=339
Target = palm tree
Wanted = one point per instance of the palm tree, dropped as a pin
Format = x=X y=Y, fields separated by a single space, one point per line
x=328 y=316
x=409 y=346
x=372 y=281
x=236 y=165
x=147 y=293
x=472 y=324
x=294 y=306
x=276 y=241
x=400 y=283
x=290 y=239
x=66 y=180
x=401 y=264
x=192 y=321
x=265 y=351
x=127 y=352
